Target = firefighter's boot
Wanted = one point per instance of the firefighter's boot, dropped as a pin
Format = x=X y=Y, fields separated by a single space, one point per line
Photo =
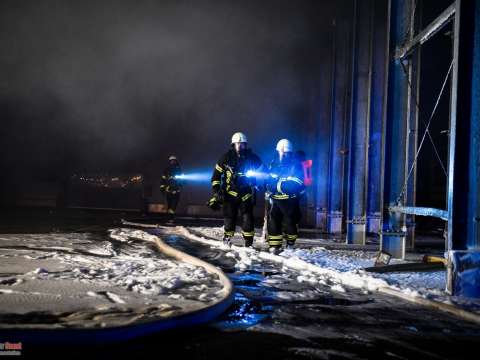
x=248 y=241
x=227 y=240
x=275 y=250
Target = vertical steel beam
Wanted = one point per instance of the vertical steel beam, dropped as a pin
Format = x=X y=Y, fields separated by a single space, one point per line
x=412 y=67
x=392 y=239
x=348 y=106
x=474 y=185
x=359 y=132
x=384 y=118
x=464 y=165
x=322 y=183
x=379 y=72
x=310 y=143
x=340 y=113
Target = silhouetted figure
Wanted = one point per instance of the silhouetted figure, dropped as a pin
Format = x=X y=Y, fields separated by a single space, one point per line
x=171 y=186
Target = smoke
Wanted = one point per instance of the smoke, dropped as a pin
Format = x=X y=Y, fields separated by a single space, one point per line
x=103 y=85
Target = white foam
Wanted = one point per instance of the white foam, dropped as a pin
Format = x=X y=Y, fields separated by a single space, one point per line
x=342 y=268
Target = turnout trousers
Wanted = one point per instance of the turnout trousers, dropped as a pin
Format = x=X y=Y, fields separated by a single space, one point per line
x=283 y=219
x=234 y=206
x=172 y=203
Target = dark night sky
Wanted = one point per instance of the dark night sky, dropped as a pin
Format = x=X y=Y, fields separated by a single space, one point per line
x=112 y=85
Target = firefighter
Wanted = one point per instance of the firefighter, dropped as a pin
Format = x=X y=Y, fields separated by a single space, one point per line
x=171 y=186
x=234 y=189
x=285 y=186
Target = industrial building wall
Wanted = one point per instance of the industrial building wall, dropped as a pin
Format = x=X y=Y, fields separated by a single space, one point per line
x=349 y=110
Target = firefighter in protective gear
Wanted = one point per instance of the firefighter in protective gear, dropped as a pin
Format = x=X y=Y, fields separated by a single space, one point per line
x=232 y=187
x=285 y=186
x=171 y=186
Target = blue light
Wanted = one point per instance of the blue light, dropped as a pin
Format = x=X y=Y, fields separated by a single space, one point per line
x=196 y=176
x=260 y=174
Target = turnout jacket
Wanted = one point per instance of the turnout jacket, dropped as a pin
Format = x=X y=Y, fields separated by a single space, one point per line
x=230 y=174
x=169 y=183
x=286 y=179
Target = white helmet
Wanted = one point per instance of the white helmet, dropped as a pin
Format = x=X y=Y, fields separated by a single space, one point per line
x=172 y=157
x=239 y=137
x=284 y=145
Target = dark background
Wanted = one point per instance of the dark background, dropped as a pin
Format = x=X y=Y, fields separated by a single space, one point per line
x=117 y=86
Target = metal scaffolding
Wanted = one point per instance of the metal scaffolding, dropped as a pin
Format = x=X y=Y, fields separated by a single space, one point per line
x=370 y=147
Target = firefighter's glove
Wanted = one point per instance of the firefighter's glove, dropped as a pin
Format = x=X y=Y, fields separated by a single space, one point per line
x=215 y=202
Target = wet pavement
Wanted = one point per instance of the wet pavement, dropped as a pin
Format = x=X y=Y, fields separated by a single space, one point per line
x=331 y=324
